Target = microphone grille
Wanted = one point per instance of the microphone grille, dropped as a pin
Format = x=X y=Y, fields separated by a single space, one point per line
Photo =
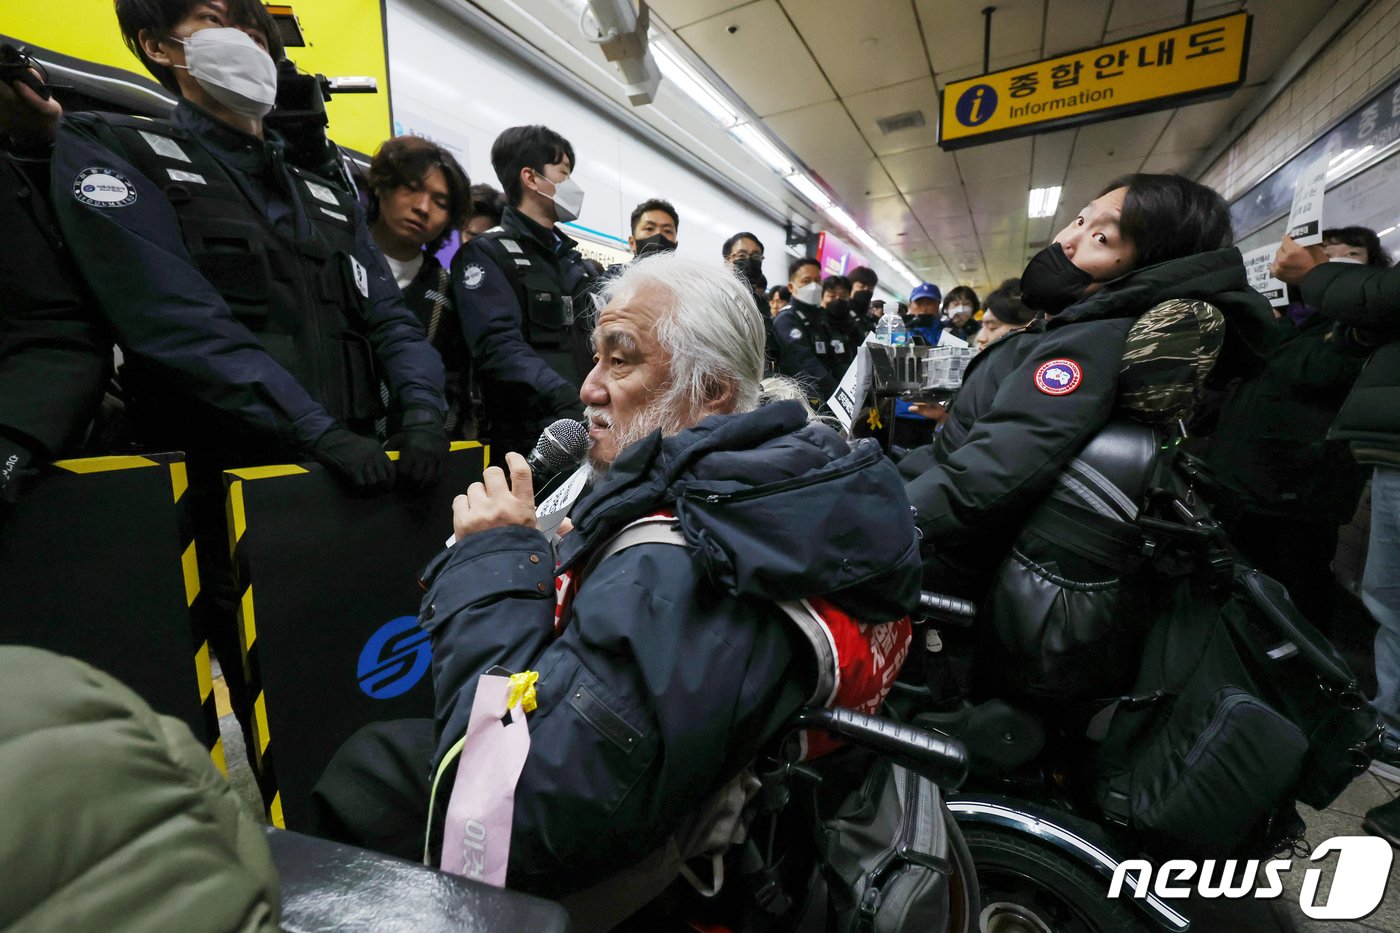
x=570 y=439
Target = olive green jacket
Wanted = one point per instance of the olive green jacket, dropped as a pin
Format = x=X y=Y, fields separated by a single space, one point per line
x=113 y=817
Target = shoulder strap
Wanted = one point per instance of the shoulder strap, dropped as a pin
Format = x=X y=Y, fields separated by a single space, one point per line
x=662 y=529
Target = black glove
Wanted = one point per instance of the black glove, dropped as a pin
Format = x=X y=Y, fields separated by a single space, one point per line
x=422 y=445
x=356 y=460
x=14 y=467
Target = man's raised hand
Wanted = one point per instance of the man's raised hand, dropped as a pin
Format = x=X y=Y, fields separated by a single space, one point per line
x=496 y=503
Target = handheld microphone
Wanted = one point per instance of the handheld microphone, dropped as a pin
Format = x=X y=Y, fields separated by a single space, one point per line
x=562 y=446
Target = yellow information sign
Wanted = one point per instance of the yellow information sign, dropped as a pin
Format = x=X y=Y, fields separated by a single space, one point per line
x=343 y=38
x=1151 y=72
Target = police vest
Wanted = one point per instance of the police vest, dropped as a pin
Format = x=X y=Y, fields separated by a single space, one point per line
x=303 y=299
x=554 y=313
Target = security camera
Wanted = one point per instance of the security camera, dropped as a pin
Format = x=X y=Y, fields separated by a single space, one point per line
x=622 y=35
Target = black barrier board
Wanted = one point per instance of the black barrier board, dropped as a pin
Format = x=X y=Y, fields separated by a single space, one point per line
x=97 y=562
x=329 y=595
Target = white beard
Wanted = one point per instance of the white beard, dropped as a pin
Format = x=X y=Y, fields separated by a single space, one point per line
x=661 y=414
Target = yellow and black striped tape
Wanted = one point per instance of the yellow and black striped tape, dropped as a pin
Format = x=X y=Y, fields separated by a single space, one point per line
x=261 y=754
x=189 y=568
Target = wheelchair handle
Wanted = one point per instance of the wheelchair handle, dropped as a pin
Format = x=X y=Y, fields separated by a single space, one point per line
x=948 y=609
x=941 y=759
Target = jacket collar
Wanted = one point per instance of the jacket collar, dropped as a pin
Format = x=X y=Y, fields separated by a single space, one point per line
x=233 y=147
x=551 y=239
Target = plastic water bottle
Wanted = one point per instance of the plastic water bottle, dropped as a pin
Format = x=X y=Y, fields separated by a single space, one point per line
x=891 y=331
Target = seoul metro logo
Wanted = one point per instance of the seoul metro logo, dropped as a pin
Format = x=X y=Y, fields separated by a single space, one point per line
x=976 y=105
x=394 y=659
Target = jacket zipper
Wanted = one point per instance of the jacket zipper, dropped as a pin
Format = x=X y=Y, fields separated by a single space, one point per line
x=1217 y=722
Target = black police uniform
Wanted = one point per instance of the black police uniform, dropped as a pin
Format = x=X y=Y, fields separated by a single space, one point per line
x=53 y=352
x=254 y=310
x=524 y=295
x=431 y=298
x=810 y=350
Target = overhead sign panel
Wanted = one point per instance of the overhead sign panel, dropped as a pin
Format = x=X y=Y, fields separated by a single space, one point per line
x=1152 y=72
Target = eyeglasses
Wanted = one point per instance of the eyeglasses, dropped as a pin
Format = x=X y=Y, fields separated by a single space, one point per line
x=740 y=255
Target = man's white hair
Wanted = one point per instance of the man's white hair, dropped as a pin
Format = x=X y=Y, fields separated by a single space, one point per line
x=710 y=327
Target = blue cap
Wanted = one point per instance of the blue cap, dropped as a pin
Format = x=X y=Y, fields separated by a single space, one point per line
x=925 y=290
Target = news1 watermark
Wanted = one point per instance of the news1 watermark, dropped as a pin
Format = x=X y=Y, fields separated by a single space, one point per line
x=1358 y=881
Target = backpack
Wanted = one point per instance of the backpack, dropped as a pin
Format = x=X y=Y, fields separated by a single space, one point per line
x=1242 y=708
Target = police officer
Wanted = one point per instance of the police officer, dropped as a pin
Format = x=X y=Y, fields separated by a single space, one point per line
x=255 y=313
x=523 y=293
x=418 y=194
x=53 y=355
x=743 y=253
x=802 y=329
x=843 y=320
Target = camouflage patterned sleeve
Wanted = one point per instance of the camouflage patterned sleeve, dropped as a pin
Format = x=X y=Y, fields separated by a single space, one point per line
x=1170 y=351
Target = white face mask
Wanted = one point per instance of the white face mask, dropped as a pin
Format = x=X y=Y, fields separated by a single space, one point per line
x=228 y=64
x=955 y=310
x=567 y=198
x=809 y=294
x=1352 y=260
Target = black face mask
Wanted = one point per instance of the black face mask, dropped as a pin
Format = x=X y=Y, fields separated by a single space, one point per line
x=751 y=268
x=839 y=307
x=1051 y=282
x=656 y=243
x=860 y=302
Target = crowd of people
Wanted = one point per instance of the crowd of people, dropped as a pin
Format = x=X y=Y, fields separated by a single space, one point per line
x=267 y=313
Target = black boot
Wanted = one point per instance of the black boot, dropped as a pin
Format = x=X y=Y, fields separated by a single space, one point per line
x=1384 y=821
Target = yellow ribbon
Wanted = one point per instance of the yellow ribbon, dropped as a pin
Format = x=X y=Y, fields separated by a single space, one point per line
x=873 y=419
x=522 y=691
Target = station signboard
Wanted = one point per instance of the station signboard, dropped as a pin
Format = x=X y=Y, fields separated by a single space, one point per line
x=1157 y=71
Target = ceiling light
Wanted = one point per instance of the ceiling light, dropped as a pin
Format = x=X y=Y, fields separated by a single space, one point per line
x=689 y=82
x=1044 y=201
x=809 y=190
x=841 y=218
x=1350 y=162
x=1386 y=232
x=757 y=142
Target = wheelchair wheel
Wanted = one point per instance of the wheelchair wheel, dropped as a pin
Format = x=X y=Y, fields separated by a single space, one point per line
x=1028 y=887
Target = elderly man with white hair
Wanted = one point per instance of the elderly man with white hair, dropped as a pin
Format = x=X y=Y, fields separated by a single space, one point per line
x=664 y=667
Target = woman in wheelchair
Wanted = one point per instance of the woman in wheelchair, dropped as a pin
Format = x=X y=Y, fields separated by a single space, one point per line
x=1026 y=499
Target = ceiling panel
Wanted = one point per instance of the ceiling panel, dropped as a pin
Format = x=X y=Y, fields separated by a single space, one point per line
x=988 y=222
x=1006 y=159
x=1050 y=159
x=889 y=215
x=864 y=178
x=678 y=13
x=1071 y=25
x=1176 y=162
x=764 y=61
x=1119 y=140
x=1132 y=17
x=922 y=169
x=918 y=95
x=937 y=204
x=861 y=46
x=820 y=133
x=954 y=34
x=1198 y=126
x=997 y=194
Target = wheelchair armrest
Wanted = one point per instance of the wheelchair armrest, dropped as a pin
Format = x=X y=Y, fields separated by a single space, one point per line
x=939 y=758
x=331 y=886
x=950 y=610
